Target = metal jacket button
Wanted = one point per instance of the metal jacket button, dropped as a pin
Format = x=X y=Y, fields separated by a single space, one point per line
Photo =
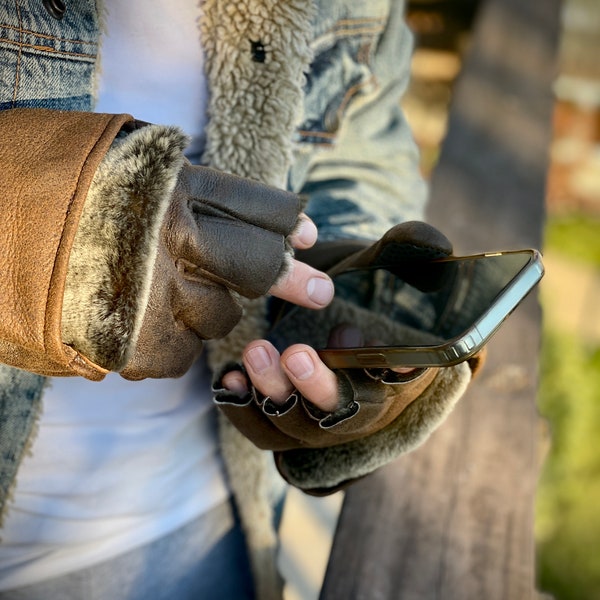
x=55 y=8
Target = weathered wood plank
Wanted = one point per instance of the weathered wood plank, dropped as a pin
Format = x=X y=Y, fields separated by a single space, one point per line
x=454 y=519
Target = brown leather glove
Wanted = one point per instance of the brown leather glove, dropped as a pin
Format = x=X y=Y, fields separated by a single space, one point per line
x=162 y=252
x=381 y=413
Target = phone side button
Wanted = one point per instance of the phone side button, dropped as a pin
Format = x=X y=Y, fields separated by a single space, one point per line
x=371 y=359
x=461 y=348
x=469 y=342
x=457 y=351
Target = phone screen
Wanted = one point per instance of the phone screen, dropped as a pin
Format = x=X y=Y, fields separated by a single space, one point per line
x=417 y=304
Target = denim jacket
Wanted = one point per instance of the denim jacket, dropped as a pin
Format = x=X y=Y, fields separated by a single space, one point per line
x=351 y=153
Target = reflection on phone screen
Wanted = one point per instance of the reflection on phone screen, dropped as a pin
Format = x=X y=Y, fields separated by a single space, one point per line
x=428 y=302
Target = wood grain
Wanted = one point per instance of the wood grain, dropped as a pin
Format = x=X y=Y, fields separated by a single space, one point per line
x=454 y=519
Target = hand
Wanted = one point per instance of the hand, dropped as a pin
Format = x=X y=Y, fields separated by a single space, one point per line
x=299 y=367
x=219 y=240
x=185 y=244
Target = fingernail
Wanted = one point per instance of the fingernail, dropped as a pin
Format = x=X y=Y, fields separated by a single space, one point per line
x=258 y=359
x=320 y=290
x=300 y=365
x=307 y=232
x=235 y=382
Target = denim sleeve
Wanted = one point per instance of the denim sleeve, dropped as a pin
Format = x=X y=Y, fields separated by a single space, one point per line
x=355 y=158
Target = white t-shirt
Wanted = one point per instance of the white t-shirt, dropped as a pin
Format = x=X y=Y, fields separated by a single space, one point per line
x=117 y=464
x=152 y=65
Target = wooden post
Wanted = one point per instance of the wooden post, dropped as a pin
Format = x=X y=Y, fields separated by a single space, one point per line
x=454 y=519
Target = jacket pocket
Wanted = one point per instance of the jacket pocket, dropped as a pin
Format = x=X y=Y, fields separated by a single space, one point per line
x=341 y=72
x=47 y=62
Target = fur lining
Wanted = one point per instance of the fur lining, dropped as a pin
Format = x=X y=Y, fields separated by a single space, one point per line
x=102 y=16
x=249 y=472
x=254 y=108
x=110 y=267
x=255 y=103
x=321 y=469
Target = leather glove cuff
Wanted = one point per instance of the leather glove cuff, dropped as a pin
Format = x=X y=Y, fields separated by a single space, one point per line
x=115 y=247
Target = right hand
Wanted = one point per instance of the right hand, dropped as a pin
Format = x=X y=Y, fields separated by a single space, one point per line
x=222 y=236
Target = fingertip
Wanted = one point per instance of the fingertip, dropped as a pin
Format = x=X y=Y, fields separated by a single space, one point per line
x=313 y=379
x=320 y=290
x=304 y=285
x=300 y=365
x=258 y=358
x=235 y=382
x=306 y=233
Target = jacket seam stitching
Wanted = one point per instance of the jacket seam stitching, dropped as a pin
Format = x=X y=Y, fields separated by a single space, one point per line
x=18 y=65
x=21 y=31
x=356 y=26
x=355 y=32
x=48 y=49
x=340 y=111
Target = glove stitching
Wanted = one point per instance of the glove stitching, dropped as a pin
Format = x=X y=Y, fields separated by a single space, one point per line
x=271 y=409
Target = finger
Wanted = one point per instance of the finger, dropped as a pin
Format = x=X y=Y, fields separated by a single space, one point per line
x=305 y=234
x=309 y=374
x=235 y=382
x=305 y=286
x=345 y=336
x=195 y=302
x=262 y=363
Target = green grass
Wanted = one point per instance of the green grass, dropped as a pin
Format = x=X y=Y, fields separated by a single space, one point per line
x=568 y=507
x=568 y=511
x=576 y=236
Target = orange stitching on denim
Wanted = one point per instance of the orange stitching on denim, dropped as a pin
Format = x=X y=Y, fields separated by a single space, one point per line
x=322 y=134
x=359 y=21
x=364 y=53
x=346 y=27
x=351 y=91
x=356 y=32
x=45 y=36
x=338 y=113
x=18 y=69
x=49 y=49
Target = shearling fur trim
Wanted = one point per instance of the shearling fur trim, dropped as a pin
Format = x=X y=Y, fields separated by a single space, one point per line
x=102 y=16
x=249 y=474
x=255 y=103
x=256 y=98
x=321 y=469
x=111 y=262
x=256 y=54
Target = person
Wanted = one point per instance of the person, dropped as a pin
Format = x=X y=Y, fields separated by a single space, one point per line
x=139 y=252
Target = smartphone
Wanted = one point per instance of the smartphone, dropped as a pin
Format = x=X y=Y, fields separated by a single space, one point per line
x=415 y=314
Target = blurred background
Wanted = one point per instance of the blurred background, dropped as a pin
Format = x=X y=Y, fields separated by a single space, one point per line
x=568 y=503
